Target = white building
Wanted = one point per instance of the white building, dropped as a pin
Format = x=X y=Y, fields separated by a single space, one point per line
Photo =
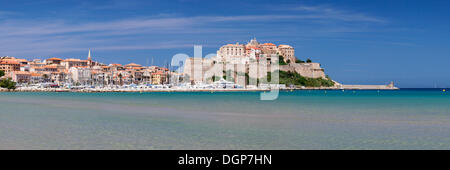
x=287 y=52
x=80 y=75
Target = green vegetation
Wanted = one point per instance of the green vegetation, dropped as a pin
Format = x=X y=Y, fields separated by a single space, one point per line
x=299 y=61
x=226 y=74
x=2 y=73
x=281 y=60
x=287 y=78
x=213 y=78
x=293 y=78
x=7 y=83
x=308 y=60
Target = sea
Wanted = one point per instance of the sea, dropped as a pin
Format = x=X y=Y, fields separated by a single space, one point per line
x=302 y=119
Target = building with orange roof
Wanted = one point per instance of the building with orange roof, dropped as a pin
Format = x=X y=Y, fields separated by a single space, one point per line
x=36 y=78
x=71 y=62
x=22 y=61
x=37 y=69
x=57 y=77
x=159 y=78
x=269 y=44
x=21 y=76
x=53 y=68
x=73 y=70
x=287 y=52
x=9 y=66
x=231 y=50
x=53 y=61
x=268 y=48
x=115 y=67
x=133 y=66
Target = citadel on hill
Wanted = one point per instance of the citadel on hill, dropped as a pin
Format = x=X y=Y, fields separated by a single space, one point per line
x=236 y=61
x=234 y=56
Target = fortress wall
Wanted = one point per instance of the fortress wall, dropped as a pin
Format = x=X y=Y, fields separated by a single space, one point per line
x=206 y=66
x=311 y=70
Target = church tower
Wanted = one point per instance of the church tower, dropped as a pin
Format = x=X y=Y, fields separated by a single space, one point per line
x=89 y=58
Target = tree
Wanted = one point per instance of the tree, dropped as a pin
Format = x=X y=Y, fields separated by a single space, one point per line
x=293 y=78
x=120 y=79
x=308 y=60
x=8 y=83
x=45 y=77
x=132 y=78
x=2 y=73
x=299 y=61
x=281 y=60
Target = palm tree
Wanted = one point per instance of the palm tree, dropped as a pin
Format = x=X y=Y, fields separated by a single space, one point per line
x=45 y=77
x=120 y=79
x=132 y=78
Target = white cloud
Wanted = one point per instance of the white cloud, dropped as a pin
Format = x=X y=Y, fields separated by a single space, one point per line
x=46 y=37
x=337 y=14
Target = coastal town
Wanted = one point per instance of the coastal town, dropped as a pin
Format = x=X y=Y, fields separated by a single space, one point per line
x=73 y=74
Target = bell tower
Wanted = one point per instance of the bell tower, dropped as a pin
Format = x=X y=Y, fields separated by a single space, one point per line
x=89 y=59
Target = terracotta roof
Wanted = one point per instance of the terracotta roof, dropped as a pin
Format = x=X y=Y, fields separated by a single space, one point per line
x=271 y=44
x=132 y=65
x=9 y=62
x=80 y=66
x=72 y=59
x=21 y=60
x=76 y=60
x=36 y=75
x=51 y=66
x=21 y=72
x=158 y=73
x=283 y=45
x=54 y=59
x=38 y=67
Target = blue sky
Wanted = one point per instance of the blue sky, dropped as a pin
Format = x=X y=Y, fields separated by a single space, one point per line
x=357 y=42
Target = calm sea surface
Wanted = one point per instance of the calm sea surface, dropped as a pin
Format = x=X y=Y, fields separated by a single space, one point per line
x=403 y=119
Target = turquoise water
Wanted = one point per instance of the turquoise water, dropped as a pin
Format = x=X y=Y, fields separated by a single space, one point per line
x=403 y=119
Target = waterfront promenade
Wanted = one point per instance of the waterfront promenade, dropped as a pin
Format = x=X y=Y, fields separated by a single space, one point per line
x=176 y=89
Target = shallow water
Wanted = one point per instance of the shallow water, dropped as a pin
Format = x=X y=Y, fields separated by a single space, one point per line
x=402 y=119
